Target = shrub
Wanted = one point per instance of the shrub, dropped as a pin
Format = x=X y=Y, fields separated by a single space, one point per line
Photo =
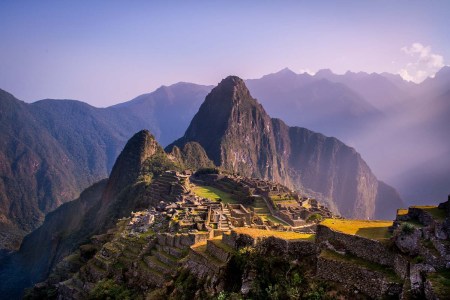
x=109 y=289
x=206 y=171
x=407 y=228
x=314 y=218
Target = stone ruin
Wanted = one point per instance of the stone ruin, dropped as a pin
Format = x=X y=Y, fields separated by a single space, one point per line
x=295 y=212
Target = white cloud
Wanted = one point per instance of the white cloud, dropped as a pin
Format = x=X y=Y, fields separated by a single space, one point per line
x=425 y=63
x=308 y=71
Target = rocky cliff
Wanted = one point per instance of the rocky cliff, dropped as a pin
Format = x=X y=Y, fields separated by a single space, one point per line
x=238 y=135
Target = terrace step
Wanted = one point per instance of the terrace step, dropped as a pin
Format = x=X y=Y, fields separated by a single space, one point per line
x=166 y=258
x=176 y=252
x=153 y=263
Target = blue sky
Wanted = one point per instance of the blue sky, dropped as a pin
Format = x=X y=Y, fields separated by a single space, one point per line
x=105 y=52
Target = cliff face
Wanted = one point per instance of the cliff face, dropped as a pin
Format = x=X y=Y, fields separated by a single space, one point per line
x=238 y=135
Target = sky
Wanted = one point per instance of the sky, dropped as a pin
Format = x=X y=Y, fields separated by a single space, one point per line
x=107 y=52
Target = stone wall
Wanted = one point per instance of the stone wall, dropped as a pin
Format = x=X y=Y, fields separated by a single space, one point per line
x=372 y=283
x=271 y=245
x=181 y=241
x=364 y=248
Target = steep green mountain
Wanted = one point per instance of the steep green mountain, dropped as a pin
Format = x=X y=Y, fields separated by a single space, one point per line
x=238 y=135
x=96 y=210
x=51 y=150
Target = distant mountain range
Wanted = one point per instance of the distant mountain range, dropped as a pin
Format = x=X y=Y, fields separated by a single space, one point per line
x=399 y=127
x=51 y=150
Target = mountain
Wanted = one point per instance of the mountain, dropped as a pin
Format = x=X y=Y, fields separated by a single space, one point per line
x=96 y=210
x=238 y=135
x=398 y=126
x=167 y=111
x=323 y=103
x=51 y=150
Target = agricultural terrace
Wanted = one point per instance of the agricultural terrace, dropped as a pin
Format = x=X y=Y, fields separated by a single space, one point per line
x=213 y=194
x=402 y=212
x=376 y=230
x=285 y=235
x=434 y=211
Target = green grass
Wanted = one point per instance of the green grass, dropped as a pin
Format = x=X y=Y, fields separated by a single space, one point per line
x=436 y=213
x=273 y=219
x=351 y=259
x=441 y=283
x=284 y=197
x=414 y=223
x=376 y=230
x=213 y=194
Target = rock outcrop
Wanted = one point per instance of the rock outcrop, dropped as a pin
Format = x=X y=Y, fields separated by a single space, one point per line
x=238 y=135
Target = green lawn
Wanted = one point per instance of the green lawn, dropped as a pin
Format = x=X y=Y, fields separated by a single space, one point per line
x=213 y=193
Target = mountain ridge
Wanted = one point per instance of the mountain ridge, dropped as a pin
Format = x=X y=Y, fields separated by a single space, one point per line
x=239 y=136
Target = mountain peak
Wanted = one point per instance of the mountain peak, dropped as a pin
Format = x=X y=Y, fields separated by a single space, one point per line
x=324 y=73
x=231 y=83
x=129 y=163
x=229 y=92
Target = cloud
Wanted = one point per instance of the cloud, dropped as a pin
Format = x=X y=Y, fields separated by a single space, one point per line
x=308 y=71
x=425 y=63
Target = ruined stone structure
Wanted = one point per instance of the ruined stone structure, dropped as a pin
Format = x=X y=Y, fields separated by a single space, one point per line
x=282 y=203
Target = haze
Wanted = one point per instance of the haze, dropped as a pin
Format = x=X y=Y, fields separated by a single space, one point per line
x=106 y=52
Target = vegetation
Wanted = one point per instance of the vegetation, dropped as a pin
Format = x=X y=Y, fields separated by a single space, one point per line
x=268 y=217
x=187 y=287
x=348 y=258
x=441 y=283
x=314 y=218
x=285 y=235
x=156 y=165
x=434 y=211
x=206 y=171
x=108 y=289
x=213 y=193
x=407 y=228
x=376 y=230
x=274 y=278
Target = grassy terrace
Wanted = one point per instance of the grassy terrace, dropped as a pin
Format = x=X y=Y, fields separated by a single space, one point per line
x=441 y=283
x=434 y=211
x=347 y=258
x=285 y=235
x=402 y=211
x=212 y=193
x=271 y=218
x=376 y=230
